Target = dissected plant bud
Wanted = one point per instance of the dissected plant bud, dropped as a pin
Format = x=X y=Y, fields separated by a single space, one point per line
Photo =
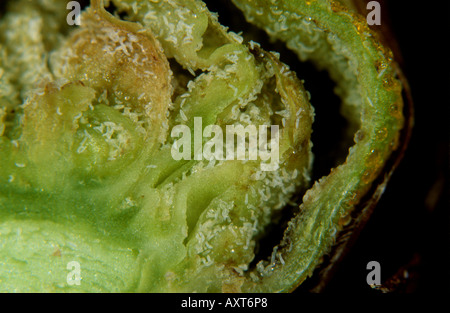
x=158 y=150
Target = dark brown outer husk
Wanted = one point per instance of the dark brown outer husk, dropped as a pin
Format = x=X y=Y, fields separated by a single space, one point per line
x=363 y=211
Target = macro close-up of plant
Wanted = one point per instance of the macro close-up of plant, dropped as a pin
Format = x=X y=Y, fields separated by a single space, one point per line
x=158 y=146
